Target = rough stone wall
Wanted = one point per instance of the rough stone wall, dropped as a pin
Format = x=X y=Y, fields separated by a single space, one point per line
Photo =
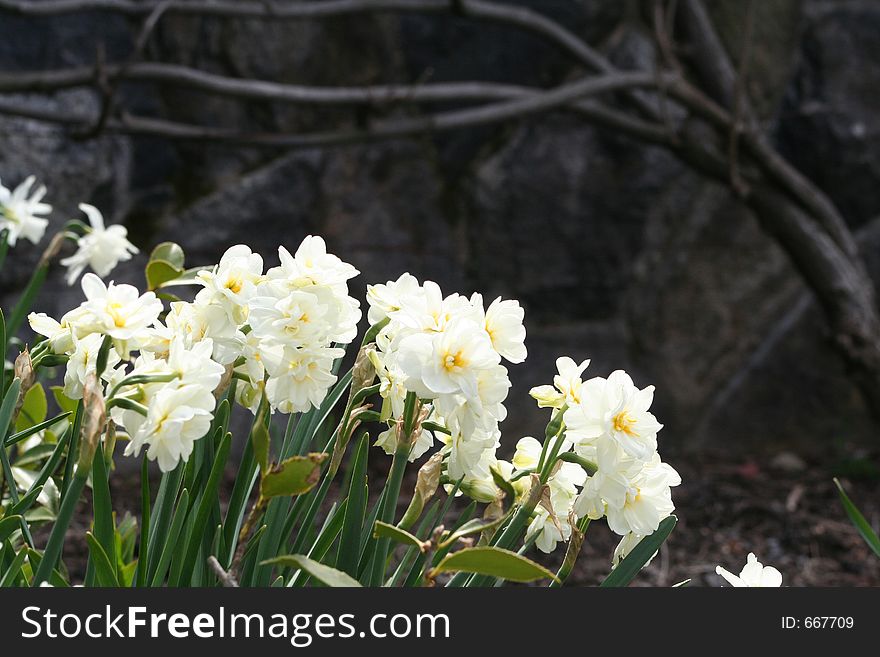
x=617 y=251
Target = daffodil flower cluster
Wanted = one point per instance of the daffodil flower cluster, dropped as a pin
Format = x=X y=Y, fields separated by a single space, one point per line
x=282 y=324
x=607 y=424
x=448 y=350
x=274 y=331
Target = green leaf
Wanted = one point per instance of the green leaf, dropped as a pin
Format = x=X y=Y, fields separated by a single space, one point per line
x=169 y=252
x=260 y=437
x=641 y=554
x=8 y=525
x=493 y=562
x=324 y=574
x=104 y=569
x=56 y=539
x=159 y=272
x=209 y=497
x=26 y=501
x=293 y=476
x=64 y=402
x=55 y=578
x=171 y=539
x=160 y=518
x=384 y=530
x=857 y=519
x=104 y=527
x=14 y=569
x=355 y=510
x=475 y=526
x=33 y=409
x=30 y=431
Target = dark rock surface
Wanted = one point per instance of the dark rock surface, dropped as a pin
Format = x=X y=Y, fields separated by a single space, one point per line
x=618 y=252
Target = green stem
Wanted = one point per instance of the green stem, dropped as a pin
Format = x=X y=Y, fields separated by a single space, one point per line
x=571 y=554
x=387 y=512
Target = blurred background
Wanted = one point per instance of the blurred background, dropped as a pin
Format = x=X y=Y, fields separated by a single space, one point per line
x=619 y=251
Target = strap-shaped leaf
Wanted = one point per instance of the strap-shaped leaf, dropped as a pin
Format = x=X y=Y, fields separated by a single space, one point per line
x=30 y=431
x=8 y=525
x=293 y=476
x=641 y=554
x=324 y=574
x=493 y=562
x=355 y=510
x=104 y=569
x=384 y=530
x=14 y=569
x=857 y=519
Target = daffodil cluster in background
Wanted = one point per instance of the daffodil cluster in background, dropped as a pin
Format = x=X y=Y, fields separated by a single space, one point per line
x=161 y=369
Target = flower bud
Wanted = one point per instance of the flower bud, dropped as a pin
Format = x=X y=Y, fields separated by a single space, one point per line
x=547 y=396
x=94 y=421
x=427 y=482
x=24 y=372
x=429 y=477
x=481 y=490
x=364 y=371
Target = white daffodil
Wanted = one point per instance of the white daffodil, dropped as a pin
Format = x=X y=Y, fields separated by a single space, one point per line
x=471 y=456
x=627 y=544
x=425 y=309
x=193 y=365
x=298 y=378
x=648 y=500
x=566 y=388
x=195 y=322
x=312 y=265
x=385 y=298
x=615 y=408
x=753 y=575
x=548 y=529
x=528 y=453
x=102 y=248
x=447 y=361
x=177 y=417
x=119 y=311
x=60 y=334
x=504 y=324
x=299 y=319
x=20 y=210
x=232 y=282
x=84 y=360
x=481 y=413
x=387 y=440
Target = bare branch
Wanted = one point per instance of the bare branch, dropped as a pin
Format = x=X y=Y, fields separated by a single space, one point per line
x=740 y=101
x=48 y=81
x=709 y=58
x=520 y=106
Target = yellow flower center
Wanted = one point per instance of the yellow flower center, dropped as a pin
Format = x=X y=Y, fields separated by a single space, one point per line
x=625 y=423
x=454 y=361
x=9 y=214
x=234 y=285
x=118 y=319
